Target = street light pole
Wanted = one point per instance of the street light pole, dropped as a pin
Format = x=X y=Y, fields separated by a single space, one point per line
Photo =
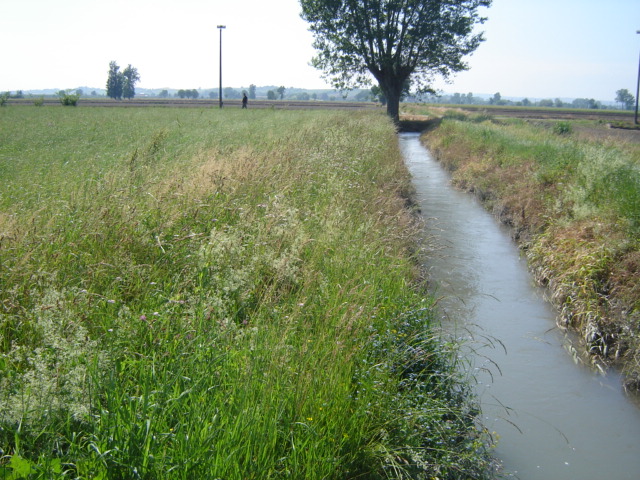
x=221 y=27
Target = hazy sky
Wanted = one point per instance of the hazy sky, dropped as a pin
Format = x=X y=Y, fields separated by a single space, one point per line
x=533 y=48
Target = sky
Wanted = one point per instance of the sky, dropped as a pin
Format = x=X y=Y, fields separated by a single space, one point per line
x=533 y=48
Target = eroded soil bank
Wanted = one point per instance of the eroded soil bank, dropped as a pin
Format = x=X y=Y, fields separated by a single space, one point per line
x=585 y=254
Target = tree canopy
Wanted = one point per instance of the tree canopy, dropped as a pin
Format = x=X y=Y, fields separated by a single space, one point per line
x=115 y=81
x=626 y=98
x=121 y=84
x=130 y=77
x=394 y=41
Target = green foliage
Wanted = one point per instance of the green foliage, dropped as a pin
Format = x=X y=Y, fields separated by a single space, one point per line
x=608 y=183
x=193 y=93
x=456 y=115
x=19 y=468
x=115 y=81
x=188 y=294
x=562 y=128
x=130 y=77
x=626 y=98
x=393 y=41
x=465 y=117
x=3 y=98
x=67 y=98
x=39 y=102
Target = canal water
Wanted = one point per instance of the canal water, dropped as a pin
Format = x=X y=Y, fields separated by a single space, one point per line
x=555 y=419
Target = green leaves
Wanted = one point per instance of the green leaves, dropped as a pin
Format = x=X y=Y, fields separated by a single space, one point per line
x=392 y=40
x=20 y=468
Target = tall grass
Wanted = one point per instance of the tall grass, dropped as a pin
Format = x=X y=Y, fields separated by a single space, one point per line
x=217 y=294
x=574 y=200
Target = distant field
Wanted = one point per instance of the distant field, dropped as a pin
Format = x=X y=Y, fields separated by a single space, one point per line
x=589 y=124
x=541 y=113
x=204 y=103
x=519 y=112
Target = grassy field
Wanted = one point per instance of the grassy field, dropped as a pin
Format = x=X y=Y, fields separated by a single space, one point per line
x=196 y=293
x=570 y=189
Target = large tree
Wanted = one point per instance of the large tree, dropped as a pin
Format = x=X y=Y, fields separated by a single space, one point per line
x=115 y=81
x=392 y=40
x=129 y=78
x=626 y=98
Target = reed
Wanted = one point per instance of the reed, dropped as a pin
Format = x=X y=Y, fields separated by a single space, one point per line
x=218 y=294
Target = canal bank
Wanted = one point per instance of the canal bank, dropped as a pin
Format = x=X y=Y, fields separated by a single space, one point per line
x=572 y=200
x=553 y=418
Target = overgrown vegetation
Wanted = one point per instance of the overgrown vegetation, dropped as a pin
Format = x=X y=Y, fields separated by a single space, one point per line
x=67 y=99
x=218 y=294
x=574 y=203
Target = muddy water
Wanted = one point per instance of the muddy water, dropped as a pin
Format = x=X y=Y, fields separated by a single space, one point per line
x=555 y=419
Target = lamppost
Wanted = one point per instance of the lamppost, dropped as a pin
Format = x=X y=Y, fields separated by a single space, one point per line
x=221 y=27
x=637 y=89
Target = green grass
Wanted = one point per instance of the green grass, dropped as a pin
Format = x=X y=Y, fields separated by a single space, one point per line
x=218 y=294
x=595 y=179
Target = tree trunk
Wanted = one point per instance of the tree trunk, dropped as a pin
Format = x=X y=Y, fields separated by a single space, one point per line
x=391 y=86
x=393 y=106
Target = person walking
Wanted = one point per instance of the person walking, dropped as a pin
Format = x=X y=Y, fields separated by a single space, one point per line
x=244 y=100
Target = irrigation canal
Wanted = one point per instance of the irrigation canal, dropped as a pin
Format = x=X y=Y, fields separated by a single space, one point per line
x=555 y=418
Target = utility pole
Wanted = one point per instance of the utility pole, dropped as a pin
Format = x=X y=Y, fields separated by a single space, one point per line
x=635 y=120
x=221 y=27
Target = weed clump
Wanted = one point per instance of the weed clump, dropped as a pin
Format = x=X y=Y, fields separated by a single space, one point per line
x=68 y=99
x=562 y=128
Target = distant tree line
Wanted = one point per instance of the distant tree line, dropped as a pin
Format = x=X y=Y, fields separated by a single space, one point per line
x=623 y=96
x=18 y=94
x=121 y=84
x=188 y=93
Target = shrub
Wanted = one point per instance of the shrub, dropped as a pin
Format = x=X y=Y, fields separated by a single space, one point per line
x=455 y=115
x=68 y=99
x=562 y=128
